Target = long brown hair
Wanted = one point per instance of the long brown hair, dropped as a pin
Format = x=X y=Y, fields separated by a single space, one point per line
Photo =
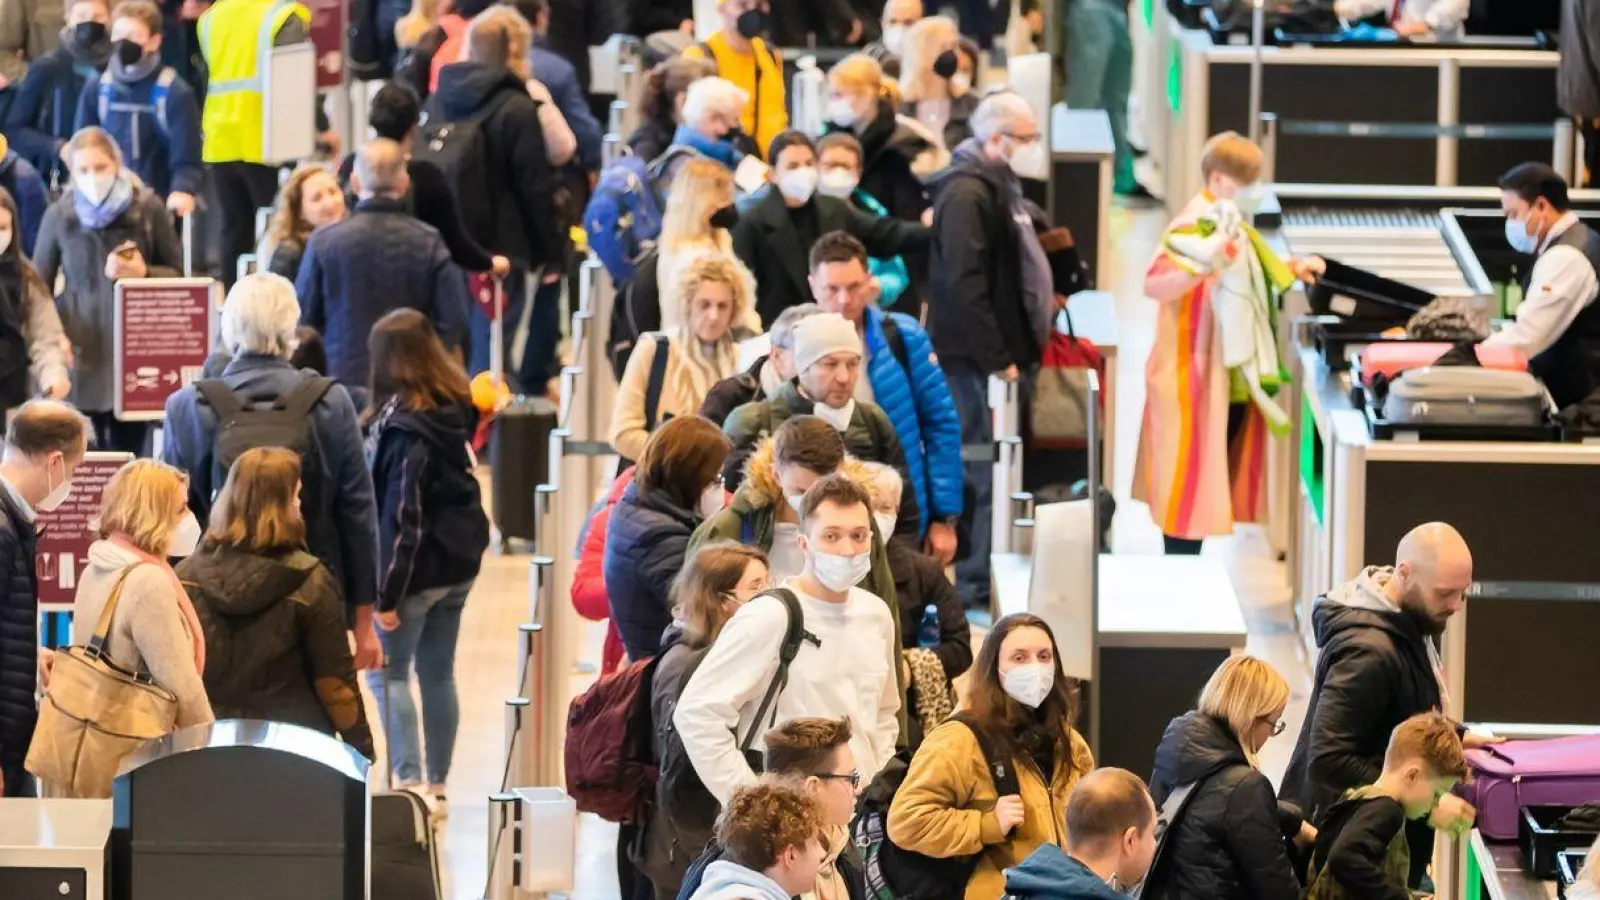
x=680 y=459
x=27 y=274
x=700 y=592
x=255 y=511
x=1021 y=731
x=289 y=222
x=410 y=362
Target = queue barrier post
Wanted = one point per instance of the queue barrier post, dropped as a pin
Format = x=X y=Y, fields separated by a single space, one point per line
x=517 y=722
x=528 y=645
x=505 y=851
x=1269 y=147
x=611 y=150
x=544 y=511
x=1022 y=536
x=541 y=753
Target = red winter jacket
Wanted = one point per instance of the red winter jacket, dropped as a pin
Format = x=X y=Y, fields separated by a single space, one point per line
x=589 y=579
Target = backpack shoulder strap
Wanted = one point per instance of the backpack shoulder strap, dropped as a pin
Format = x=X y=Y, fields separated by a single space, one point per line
x=305 y=396
x=1000 y=769
x=158 y=97
x=657 y=380
x=1171 y=811
x=897 y=342
x=221 y=397
x=794 y=635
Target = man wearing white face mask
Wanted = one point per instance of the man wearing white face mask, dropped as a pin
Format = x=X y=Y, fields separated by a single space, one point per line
x=779 y=223
x=829 y=384
x=898 y=17
x=1558 y=322
x=44 y=443
x=846 y=665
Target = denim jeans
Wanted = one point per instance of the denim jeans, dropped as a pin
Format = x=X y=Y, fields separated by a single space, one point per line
x=430 y=621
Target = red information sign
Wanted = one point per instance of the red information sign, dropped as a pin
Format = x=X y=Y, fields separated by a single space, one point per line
x=66 y=532
x=327 y=35
x=163 y=335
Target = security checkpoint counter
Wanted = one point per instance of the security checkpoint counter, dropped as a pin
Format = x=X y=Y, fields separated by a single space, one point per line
x=1165 y=624
x=1422 y=114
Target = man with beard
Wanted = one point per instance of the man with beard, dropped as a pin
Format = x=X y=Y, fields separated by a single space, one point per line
x=1379 y=665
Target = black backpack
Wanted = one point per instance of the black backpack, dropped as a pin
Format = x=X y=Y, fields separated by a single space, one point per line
x=285 y=422
x=461 y=150
x=894 y=872
x=636 y=312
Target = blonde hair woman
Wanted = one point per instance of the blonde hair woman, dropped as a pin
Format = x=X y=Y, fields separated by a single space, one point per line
x=1229 y=842
x=896 y=150
x=271 y=611
x=933 y=88
x=310 y=199
x=696 y=223
x=423 y=17
x=710 y=295
x=144 y=520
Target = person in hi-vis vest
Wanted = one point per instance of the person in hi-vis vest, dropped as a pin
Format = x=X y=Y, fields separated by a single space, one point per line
x=235 y=38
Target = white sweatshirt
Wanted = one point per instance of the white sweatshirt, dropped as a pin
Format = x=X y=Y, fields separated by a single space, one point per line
x=848 y=675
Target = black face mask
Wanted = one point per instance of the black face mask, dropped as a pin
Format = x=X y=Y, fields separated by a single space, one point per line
x=129 y=52
x=945 y=64
x=752 y=24
x=725 y=218
x=88 y=34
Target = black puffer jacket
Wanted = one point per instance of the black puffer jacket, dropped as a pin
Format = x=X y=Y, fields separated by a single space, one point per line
x=19 y=639
x=1228 y=844
x=733 y=392
x=275 y=641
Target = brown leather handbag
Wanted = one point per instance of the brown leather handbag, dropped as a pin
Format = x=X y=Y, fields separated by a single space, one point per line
x=94 y=714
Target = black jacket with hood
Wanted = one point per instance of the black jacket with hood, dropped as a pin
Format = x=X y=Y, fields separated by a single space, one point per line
x=733 y=392
x=432 y=530
x=523 y=187
x=889 y=147
x=977 y=314
x=276 y=646
x=1228 y=844
x=1374 y=670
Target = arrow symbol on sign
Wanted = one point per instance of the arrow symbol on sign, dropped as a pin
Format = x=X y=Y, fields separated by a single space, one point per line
x=170 y=378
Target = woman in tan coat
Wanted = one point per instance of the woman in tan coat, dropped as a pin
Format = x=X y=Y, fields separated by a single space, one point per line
x=948 y=805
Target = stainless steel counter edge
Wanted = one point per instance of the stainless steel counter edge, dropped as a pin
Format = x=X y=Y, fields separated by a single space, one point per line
x=1200 y=42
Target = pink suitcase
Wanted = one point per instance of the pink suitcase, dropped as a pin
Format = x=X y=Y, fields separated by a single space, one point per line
x=1393 y=357
x=1555 y=772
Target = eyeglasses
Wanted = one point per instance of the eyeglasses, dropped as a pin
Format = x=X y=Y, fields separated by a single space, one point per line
x=1277 y=727
x=854 y=778
x=1024 y=138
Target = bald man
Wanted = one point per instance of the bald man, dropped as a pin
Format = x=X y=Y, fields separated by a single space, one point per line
x=44 y=444
x=1111 y=841
x=379 y=259
x=1379 y=666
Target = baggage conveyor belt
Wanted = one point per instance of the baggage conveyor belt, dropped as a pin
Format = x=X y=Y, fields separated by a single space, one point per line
x=1407 y=245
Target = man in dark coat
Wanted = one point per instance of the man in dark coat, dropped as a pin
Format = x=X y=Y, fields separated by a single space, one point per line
x=44 y=444
x=524 y=221
x=43 y=116
x=258 y=332
x=1378 y=666
x=379 y=259
x=990 y=291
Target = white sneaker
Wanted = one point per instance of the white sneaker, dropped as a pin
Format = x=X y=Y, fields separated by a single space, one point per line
x=439 y=802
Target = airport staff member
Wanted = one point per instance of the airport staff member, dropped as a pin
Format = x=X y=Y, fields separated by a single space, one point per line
x=1410 y=18
x=1558 y=321
x=235 y=36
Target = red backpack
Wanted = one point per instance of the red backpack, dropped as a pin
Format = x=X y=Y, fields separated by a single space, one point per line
x=611 y=771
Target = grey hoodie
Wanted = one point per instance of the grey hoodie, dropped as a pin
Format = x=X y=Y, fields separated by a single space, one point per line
x=1366 y=591
x=726 y=880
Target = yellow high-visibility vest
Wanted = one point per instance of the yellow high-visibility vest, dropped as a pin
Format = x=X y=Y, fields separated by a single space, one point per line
x=236 y=37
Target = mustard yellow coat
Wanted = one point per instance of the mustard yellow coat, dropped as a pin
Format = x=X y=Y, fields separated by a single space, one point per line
x=946 y=806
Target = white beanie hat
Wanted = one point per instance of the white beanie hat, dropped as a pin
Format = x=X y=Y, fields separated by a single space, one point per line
x=819 y=335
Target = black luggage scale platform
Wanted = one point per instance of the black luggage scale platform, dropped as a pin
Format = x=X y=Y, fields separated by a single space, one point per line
x=1370 y=402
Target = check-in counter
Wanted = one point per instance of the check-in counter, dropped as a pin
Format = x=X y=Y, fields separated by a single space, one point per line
x=1495 y=872
x=1439 y=115
x=1526 y=637
x=1079 y=193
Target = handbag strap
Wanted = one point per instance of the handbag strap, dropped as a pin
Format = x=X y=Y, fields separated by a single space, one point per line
x=97 y=642
x=1066 y=315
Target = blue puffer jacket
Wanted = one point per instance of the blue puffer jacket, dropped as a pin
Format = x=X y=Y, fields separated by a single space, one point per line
x=918 y=402
x=646 y=542
x=19 y=637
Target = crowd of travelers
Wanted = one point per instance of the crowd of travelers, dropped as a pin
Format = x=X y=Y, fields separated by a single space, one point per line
x=795 y=535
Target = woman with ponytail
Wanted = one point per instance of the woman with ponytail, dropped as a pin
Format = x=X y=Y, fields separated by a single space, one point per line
x=897 y=150
x=662 y=104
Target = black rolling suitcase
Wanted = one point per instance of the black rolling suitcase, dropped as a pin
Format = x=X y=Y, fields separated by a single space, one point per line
x=405 y=850
x=519 y=460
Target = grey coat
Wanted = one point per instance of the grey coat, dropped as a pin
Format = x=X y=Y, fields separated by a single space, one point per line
x=1578 y=75
x=66 y=246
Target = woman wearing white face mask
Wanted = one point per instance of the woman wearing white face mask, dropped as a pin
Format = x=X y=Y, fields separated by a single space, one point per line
x=777 y=229
x=32 y=343
x=897 y=150
x=109 y=227
x=934 y=89
x=144 y=520
x=1025 y=707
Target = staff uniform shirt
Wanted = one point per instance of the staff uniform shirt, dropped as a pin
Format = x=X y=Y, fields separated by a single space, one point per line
x=1561 y=286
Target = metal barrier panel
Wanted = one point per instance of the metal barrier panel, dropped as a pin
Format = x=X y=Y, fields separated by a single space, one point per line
x=1007 y=475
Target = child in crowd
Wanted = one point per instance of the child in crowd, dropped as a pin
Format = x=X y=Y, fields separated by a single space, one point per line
x=773 y=836
x=1202 y=450
x=150 y=111
x=1362 y=849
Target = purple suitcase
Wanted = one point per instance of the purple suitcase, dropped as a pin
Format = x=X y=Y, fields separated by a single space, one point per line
x=1556 y=772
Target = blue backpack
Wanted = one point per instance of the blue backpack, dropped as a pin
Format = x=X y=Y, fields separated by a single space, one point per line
x=623 y=218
